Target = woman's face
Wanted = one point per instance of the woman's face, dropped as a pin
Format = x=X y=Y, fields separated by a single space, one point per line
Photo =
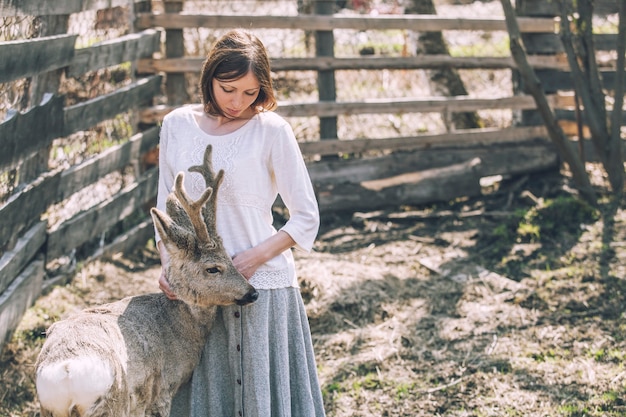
x=234 y=97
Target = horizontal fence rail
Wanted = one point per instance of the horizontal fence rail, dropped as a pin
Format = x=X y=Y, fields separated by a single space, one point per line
x=22 y=59
x=54 y=8
x=194 y=64
x=426 y=23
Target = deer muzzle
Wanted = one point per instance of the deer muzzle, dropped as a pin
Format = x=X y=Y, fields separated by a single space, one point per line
x=250 y=297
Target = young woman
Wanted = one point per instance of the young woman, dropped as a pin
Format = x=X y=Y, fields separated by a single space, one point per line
x=258 y=360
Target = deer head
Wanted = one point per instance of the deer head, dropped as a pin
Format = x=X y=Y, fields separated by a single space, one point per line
x=200 y=272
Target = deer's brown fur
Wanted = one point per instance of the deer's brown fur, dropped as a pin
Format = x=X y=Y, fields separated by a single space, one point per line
x=128 y=358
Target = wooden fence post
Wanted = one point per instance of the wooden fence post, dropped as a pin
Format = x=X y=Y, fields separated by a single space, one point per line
x=175 y=84
x=536 y=44
x=135 y=7
x=324 y=46
x=40 y=86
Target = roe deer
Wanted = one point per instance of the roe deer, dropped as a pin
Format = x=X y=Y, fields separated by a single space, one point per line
x=128 y=358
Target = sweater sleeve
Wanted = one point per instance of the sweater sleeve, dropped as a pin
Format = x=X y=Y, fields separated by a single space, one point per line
x=295 y=189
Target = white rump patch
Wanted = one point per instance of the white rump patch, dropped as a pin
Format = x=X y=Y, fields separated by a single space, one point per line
x=77 y=381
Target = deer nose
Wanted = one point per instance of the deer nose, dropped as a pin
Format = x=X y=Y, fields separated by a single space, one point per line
x=250 y=297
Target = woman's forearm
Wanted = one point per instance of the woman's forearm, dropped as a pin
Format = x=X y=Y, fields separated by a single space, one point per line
x=275 y=245
x=249 y=261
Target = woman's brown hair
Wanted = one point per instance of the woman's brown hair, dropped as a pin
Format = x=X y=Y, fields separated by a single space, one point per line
x=232 y=57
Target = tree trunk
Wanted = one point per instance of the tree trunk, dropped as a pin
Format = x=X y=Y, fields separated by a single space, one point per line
x=445 y=81
x=565 y=149
x=615 y=169
x=580 y=53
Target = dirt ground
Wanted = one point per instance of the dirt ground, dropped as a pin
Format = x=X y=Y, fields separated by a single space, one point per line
x=445 y=310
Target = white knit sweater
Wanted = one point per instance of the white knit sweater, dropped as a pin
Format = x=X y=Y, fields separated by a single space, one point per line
x=261 y=159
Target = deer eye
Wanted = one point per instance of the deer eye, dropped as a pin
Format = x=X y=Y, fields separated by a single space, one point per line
x=213 y=270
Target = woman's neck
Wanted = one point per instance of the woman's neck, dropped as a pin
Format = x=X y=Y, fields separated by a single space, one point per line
x=222 y=125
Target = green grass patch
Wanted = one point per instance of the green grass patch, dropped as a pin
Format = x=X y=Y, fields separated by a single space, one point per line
x=554 y=217
x=607 y=404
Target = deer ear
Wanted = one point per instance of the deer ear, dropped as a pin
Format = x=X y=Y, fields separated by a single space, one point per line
x=173 y=235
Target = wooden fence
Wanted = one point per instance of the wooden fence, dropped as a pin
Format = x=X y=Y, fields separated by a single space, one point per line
x=35 y=251
x=39 y=249
x=439 y=162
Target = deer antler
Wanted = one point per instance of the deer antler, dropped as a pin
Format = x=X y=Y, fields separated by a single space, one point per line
x=194 y=208
x=212 y=181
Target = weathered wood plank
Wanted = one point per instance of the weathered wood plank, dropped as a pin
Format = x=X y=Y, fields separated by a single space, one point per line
x=39 y=87
x=136 y=237
x=14 y=261
x=18 y=297
x=571 y=116
x=551 y=8
x=176 y=84
x=46 y=8
x=24 y=134
x=326 y=85
x=85 y=115
x=497 y=159
x=567 y=120
x=542 y=44
x=347 y=146
x=26 y=58
x=438 y=184
x=91 y=224
x=377 y=106
x=25 y=208
x=509 y=159
x=605 y=41
x=105 y=54
x=194 y=64
x=318 y=22
x=155 y=114
x=407 y=63
x=111 y=160
x=405 y=105
x=466 y=137
x=554 y=80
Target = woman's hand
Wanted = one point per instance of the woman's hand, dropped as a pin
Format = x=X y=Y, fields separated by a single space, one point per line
x=246 y=263
x=164 y=285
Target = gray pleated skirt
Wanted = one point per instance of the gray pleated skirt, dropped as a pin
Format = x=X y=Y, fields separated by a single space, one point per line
x=258 y=362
